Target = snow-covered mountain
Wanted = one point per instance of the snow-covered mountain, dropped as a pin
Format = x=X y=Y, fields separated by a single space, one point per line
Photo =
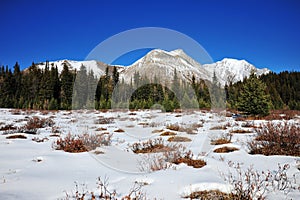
x=97 y=66
x=233 y=70
x=162 y=64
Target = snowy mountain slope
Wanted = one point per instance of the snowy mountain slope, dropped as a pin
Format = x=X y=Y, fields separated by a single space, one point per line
x=97 y=66
x=233 y=70
x=162 y=64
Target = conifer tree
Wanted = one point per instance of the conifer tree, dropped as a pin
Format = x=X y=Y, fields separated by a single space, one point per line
x=253 y=98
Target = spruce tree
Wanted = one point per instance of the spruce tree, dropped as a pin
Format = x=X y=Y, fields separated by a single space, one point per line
x=253 y=98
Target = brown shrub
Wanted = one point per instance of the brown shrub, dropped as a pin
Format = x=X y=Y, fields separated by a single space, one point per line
x=225 y=149
x=151 y=146
x=17 y=136
x=81 y=143
x=8 y=127
x=277 y=139
x=282 y=115
x=179 y=139
x=34 y=123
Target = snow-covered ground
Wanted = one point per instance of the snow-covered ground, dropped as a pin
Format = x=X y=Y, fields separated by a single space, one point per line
x=35 y=170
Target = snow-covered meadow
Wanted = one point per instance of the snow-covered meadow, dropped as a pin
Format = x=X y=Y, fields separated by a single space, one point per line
x=31 y=168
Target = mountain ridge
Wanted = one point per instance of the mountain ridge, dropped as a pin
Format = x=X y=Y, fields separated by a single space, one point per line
x=162 y=64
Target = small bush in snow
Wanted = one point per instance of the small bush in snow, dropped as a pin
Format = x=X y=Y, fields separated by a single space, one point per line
x=277 y=139
x=251 y=184
x=81 y=143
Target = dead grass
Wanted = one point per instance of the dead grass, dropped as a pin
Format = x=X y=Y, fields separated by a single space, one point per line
x=38 y=140
x=179 y=139
x=225 y=149
x=173 y=127
x=219 y=127
x=223 y=139
x=8 y=127
x=220 y=141
x=168 y=133
x=103 y=120
x=241 y=131
x=212 y=194
x=191 y=162
x=17 y=136
x=101 y=129
x=119 y=131
x=189 y=129
x=157 y=131
x=151 y=146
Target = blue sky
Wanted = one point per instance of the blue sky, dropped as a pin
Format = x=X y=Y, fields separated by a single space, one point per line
x=265 y=33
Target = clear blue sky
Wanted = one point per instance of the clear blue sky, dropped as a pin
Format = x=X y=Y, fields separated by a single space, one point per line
x=264 y=32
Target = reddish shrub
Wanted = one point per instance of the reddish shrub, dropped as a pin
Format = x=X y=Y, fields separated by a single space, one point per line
x=81 y=143
x=277 y=139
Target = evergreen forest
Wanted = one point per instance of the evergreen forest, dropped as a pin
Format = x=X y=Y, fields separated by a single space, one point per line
x=35 y=88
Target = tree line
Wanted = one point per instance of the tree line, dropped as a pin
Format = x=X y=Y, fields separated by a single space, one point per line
x=36 y=88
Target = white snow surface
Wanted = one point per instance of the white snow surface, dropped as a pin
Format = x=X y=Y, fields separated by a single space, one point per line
x=31 y=170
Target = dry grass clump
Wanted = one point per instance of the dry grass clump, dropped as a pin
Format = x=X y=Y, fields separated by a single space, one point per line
x=190 y=129
x=168 y=133
x=38 y=140
x=282 y=114
x=176 y=155
x=276 y=139
x=225 y=149
x=81 y=143
x=212 y=194
x=173 y=127
x=104 y=192
x=241 y=131
x=34 y=123
x=252 y=184
x=103 y=120
x=101 y=129
x=220 y=141
x=8 y=127
x=119 y=131
x=179 y=139
x=187 y=158
x=219 y=127
x=16 y=136
x=151 y=146
x=157 y=131
x=223 y=139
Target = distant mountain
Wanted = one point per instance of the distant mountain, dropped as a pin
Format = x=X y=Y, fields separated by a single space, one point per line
x=162 y=64
x=97 y=66
x=233 y=70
